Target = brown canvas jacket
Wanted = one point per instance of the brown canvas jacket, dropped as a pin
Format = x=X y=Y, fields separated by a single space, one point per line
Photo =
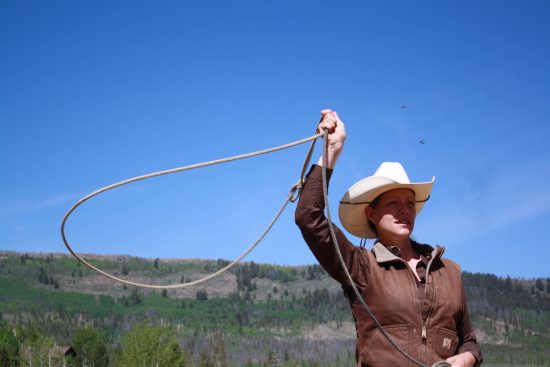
x=432 y=330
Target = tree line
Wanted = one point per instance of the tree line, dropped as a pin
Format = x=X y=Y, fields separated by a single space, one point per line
x=266 y=314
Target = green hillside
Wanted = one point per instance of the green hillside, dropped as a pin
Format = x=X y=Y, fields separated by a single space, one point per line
x=255 y=315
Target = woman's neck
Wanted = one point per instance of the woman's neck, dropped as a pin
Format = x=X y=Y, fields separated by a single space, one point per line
x=405 y=247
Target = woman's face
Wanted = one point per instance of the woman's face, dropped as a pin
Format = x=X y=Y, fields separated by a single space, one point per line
x=394 y=215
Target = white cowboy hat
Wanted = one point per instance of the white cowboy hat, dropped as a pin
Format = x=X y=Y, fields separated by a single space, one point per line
x=389 y=176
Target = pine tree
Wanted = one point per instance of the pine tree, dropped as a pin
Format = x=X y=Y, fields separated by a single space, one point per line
x=9 y=348
x=91 y=348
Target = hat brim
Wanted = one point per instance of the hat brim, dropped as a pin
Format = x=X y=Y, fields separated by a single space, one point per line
x=352 y=206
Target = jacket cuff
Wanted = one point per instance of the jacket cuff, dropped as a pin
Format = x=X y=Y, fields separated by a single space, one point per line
x=474 y=349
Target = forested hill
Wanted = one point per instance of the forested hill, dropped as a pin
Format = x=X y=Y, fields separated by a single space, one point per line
x=253 y=315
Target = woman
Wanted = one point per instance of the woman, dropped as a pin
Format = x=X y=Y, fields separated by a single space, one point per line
x=415 y=294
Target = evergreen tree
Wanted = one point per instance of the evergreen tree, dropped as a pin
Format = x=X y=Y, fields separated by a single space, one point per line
x=91 y=348
x=135 y=299
x=202 y=295
x=9 y=348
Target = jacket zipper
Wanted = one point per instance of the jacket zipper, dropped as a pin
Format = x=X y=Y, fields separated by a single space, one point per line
x=424 y=324
x=424 y=334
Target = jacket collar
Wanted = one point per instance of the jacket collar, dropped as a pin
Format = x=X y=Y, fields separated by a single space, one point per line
x=383 y=255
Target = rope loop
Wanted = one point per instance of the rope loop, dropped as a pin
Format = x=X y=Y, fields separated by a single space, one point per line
x=291 y=197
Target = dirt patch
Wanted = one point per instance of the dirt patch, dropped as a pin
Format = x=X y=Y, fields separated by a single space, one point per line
x=331 y=331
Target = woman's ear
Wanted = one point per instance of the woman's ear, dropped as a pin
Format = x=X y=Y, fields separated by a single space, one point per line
x=368 y=213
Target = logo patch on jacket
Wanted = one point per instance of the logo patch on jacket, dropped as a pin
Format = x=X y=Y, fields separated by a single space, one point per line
x=447 y=343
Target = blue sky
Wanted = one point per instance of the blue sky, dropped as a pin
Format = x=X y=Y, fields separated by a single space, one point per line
x=92 y=93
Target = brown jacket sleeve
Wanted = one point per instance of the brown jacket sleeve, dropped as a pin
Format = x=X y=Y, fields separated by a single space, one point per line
x=311 y=220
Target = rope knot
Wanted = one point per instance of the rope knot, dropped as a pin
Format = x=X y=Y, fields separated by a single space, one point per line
x=294 y=192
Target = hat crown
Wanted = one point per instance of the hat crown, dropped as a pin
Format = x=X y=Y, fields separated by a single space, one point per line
x=394 y=171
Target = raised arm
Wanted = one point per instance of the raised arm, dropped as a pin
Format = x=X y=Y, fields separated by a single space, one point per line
x=310 y=216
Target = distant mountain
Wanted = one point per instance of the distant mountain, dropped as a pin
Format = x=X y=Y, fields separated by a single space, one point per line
x=291 y=314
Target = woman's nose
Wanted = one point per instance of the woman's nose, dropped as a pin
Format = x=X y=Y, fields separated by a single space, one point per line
x=404 y=207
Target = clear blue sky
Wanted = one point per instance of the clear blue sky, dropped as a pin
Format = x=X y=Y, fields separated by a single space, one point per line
x=93 y=92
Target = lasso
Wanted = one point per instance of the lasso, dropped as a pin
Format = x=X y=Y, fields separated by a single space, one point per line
x=291 y=197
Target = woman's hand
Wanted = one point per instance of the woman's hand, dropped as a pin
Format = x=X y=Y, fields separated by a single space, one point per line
x=336 y=135
x=465 y=359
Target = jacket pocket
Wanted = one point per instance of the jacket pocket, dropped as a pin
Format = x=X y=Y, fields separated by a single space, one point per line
x=446 y=342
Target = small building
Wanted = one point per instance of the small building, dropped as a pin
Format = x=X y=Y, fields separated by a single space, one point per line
x=59 y=355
